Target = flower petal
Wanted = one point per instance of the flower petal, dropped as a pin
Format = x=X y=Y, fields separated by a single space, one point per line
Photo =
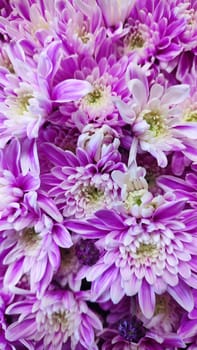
x=183 y=295
x=71 y=90
x=146 y=297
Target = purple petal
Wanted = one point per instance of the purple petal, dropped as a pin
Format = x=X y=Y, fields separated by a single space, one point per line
x=138 y=90
x=20 y=307
x=54 y=154
x=12 y=152
x=110 y=219
x=188 y=328
x=71 y=90
x=169 y=210
x=88 y=231
x=116 y=291
x=14 y=272
x=146 y=297
x=49 y=207
x=96 y=271
x=38 y=270
x=183 y=295
x=132 y=286
x=61 y=236
x=29 y=157
x=189 y=130
x=24 y=329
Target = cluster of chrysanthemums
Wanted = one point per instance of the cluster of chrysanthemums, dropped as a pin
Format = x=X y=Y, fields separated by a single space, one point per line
x=98 y=174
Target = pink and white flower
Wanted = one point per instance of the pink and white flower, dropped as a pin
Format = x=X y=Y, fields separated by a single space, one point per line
x=145 y=257
x=60 y=318
x=153 y=114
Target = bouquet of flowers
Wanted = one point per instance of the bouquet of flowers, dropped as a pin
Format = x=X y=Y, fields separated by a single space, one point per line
x=98 y=174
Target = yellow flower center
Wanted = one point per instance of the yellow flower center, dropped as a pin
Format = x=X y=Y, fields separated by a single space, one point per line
x=94 y=97
x=191 y=116
x=155 y=121
x=23 y=103
x=146 y=250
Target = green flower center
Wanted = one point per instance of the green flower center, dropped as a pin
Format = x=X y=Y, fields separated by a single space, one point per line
x=133 y=198
x=93 y=194
x=94 y=97
x=146 y=250
x=155 y=122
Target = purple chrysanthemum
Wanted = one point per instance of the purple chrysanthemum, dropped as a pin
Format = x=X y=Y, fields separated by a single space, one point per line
x=151 y=32
x=129 y=329
x=144 y=257
x=135 y=196
x=79 y=185
x=80 y=26
x=34 y=251
x=31 y=23
x=154 y=115
x=60 y=318
x=19 y=182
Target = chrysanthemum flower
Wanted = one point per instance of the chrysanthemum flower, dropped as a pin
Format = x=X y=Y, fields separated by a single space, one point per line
x=98 y=141
x=19 y=179
x=34 y=251
x=23 y=105
x=61 y=319
x=80 y=186
x=145 y=257
x=80 y=26
x=187 y=10
x=151 y=32
x=31 y=23
x=135 y=196
x=153 y=114
x=105 y=78
x=130 y=330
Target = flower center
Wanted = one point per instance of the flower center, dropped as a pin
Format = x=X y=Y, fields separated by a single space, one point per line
x=134 y=198
x=142 y=251
x=132 y=329
x=87 y=252
x=92 y=194
x=135 y=40
x=69 y=263
x=147 y=250
x=155 y=122
x=19 y=103
x=98 y=103
x=30 y=238
x=191 y=116
x=94 y=97
x=84 y=35
x=23 y=103
x=60 y=319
